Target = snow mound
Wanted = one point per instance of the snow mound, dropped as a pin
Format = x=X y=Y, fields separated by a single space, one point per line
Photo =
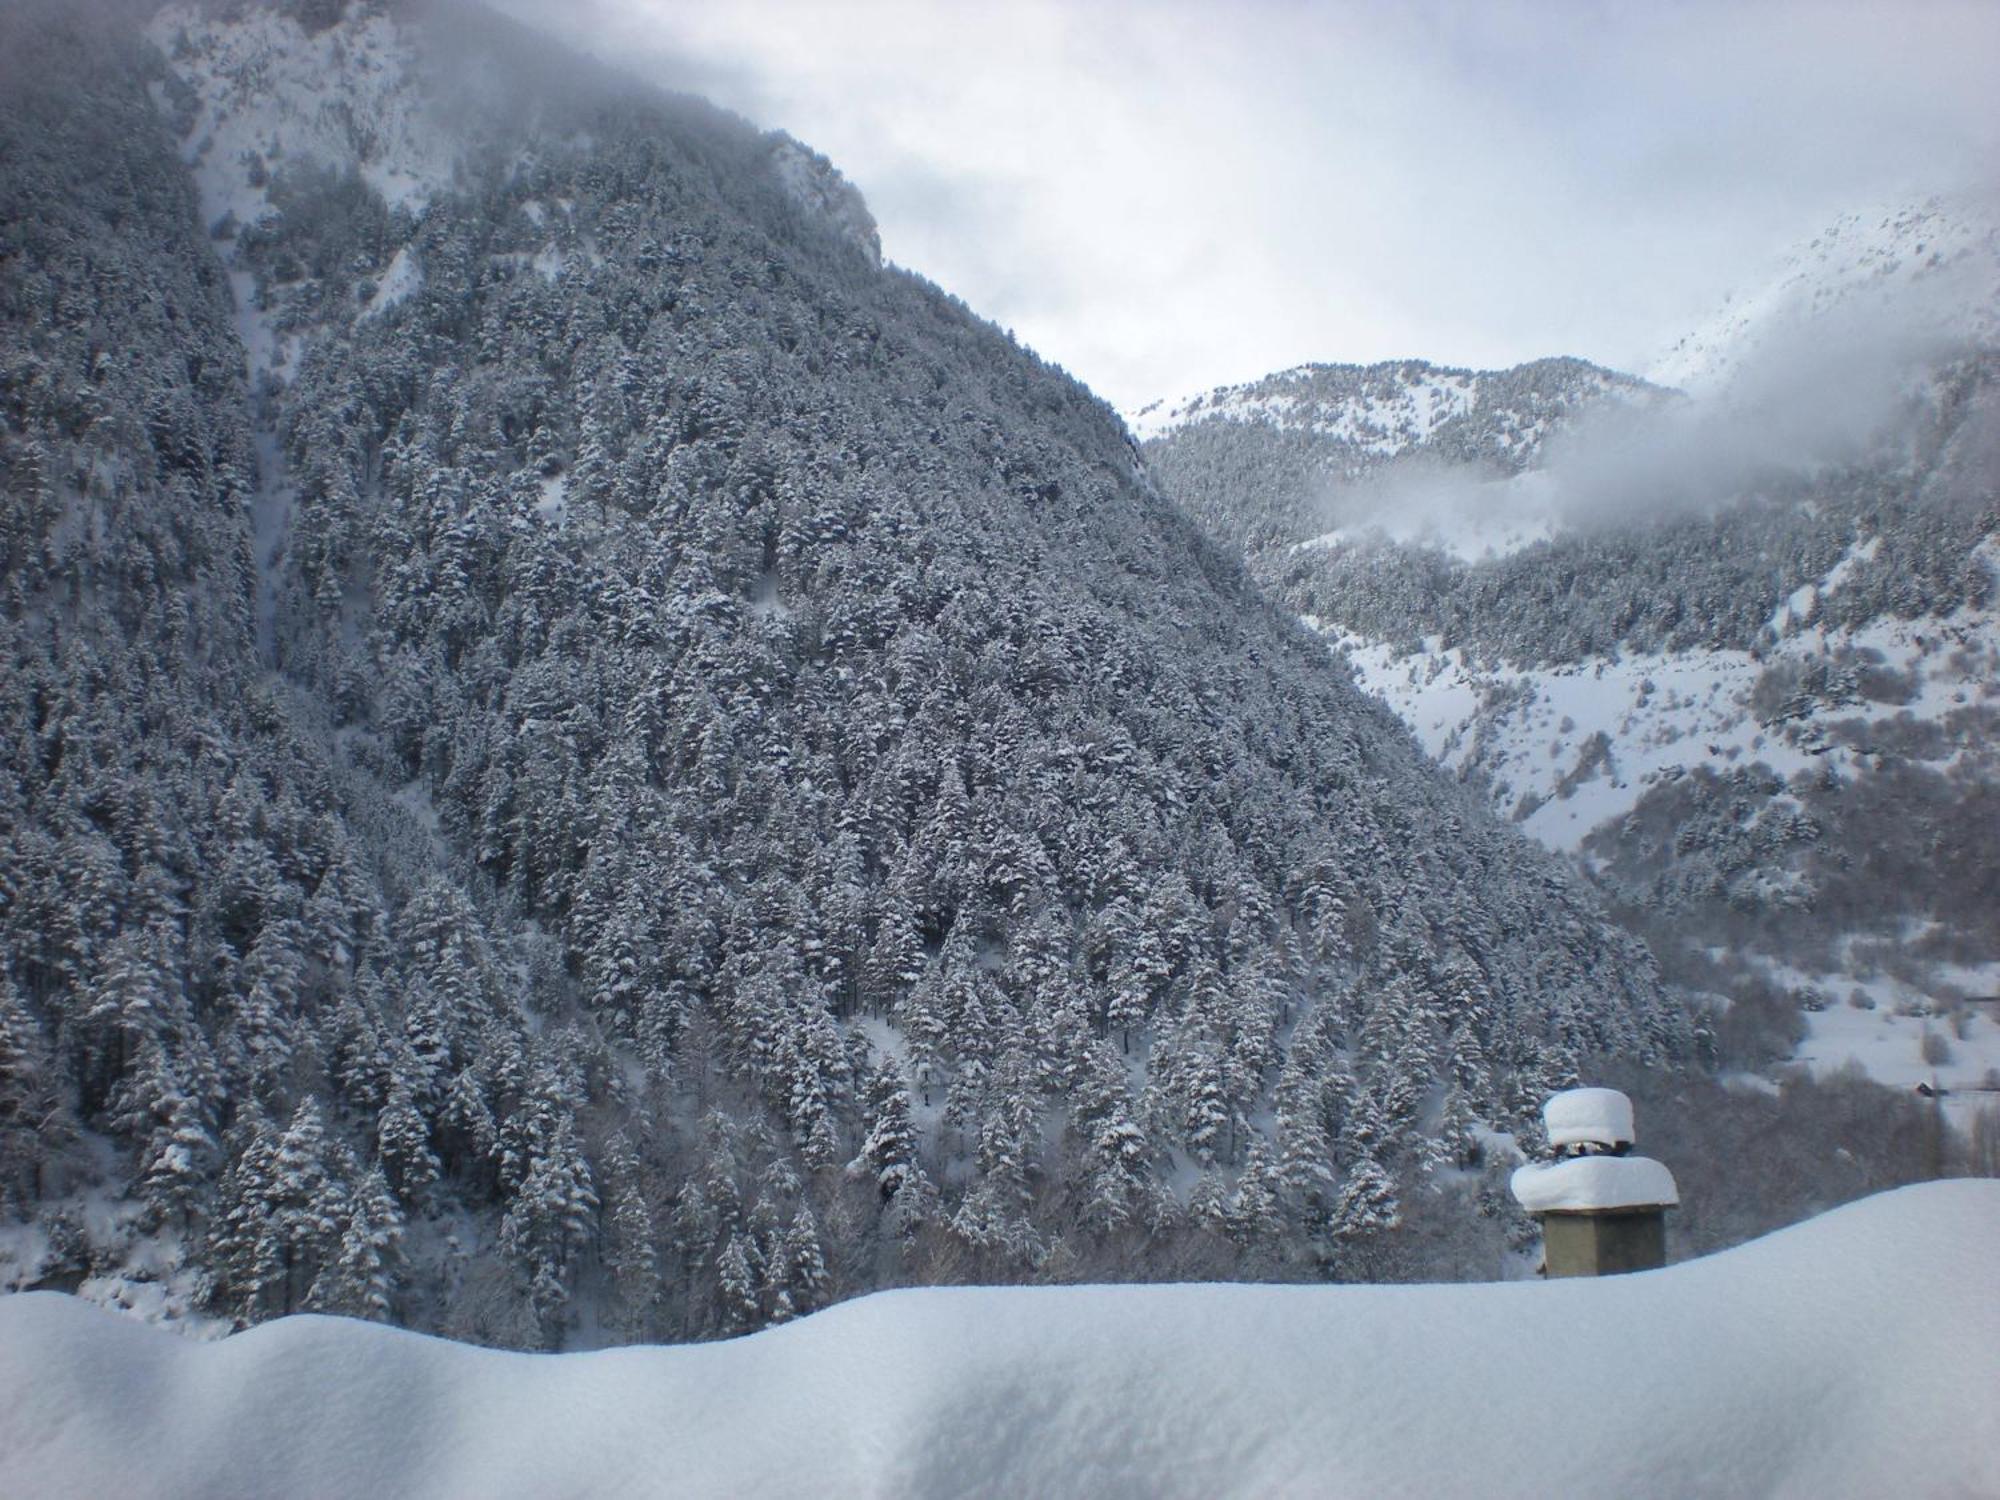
x=1594 y=1182
x=1588 y=1117
x=1852 y=1356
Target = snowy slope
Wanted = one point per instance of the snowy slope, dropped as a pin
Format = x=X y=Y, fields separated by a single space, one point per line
x=1535 y=736
x=1530 y=730
x=263 y=97
x=269 y=94
x=1855 y=1355
x=1933 y=266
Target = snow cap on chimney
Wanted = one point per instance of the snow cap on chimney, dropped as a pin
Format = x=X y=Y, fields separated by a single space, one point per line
x=1588 y=1117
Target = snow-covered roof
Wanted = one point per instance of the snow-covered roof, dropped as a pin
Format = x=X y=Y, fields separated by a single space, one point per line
x=1792 y=1366
x=1601 y=1117
x=1594 y=1182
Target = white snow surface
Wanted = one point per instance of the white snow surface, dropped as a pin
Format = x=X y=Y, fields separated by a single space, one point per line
x=1577 y=1117
x=1880 y=1023
x=1586 y=1182
x=1855 y=1355
x=402 y=278
x=815 y=184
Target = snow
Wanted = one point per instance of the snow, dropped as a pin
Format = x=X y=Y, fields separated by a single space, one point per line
x=1855 y=1355
x=549 y=263
x=1885 y=1034
x=268 y=97
x=1664 y=713
x=1594 y=1182
x=1798 y=606
x=553 y=499
x=349 y=97
x=816 y=186
x=1600 y=1117
x=403 y=277
x=138 y=1271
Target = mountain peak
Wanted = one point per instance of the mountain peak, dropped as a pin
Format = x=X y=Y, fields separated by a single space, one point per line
x=1929 y=270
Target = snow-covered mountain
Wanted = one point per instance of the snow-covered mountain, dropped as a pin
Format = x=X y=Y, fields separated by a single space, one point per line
x=1296 y=456
x=586 y=761
x=1378 y=411
x=1928 y=271
x=1737 y=652
x=1855 y=1355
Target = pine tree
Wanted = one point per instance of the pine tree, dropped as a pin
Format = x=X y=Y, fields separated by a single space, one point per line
x=1208 y=1204
x=306 y=1202
x=361 y=1276
x=737 y=1278
x=27 y=1103
x=178 y=1153
x=1365 y=1209
x=402 y=1141
x=1254 y=1211
x=889 y=1152
x=806 y=1282
x=245 y=1261
x=629 y=1253
x=549 y=1219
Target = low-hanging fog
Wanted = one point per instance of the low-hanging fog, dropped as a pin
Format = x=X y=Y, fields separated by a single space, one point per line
x=1817 y=389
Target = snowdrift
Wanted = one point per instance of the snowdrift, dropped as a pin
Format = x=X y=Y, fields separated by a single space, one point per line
x=1856 y=1355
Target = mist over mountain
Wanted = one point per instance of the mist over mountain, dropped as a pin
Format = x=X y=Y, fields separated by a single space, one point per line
x=586 y=761
x=1733 y=647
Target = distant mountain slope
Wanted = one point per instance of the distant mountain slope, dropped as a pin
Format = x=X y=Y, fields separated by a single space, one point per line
x=624 y=769
x=1933 y=269
x=1289 y=457
x=1793 y=1366
x=1739 y=651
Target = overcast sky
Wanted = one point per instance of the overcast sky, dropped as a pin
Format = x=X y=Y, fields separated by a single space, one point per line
x=1164 y=197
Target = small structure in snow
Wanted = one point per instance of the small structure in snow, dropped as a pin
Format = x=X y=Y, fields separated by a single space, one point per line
x=1602 y=1210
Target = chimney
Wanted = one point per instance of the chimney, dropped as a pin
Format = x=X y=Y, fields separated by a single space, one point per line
x=1602 y=1210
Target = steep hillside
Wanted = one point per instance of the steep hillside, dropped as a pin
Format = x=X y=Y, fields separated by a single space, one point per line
x=1739 y=651
x=592 y=762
